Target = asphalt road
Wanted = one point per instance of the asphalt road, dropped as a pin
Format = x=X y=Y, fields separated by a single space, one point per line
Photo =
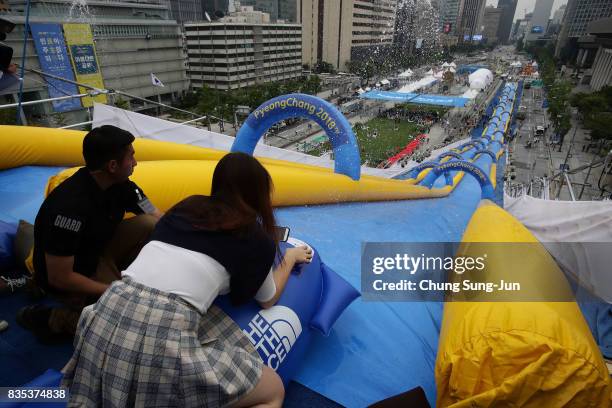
x=544 y=160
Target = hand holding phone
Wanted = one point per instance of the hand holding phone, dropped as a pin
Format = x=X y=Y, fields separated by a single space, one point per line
x=281 y=233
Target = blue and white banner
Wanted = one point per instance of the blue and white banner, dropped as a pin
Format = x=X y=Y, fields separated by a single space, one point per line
x=54 y=60
x=423 y=99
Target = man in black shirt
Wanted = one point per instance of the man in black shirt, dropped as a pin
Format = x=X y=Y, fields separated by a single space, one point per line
x=81 y=242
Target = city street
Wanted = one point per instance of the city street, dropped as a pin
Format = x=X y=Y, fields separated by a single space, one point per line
x=544 y=160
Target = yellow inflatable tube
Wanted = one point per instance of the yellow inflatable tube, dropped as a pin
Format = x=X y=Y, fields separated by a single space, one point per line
x=167 y=182
x=517 y=354
x=296 y=184
x=23 y=146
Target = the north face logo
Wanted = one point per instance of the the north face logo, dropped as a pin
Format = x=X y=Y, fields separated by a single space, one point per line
x=273 y=332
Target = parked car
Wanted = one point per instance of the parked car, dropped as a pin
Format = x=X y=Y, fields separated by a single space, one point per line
x=539 y=130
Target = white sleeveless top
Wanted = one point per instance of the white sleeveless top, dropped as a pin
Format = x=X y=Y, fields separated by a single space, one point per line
x=194 y=276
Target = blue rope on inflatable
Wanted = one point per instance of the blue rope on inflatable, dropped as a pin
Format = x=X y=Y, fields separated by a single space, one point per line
x=485 y=183
x=450 y=154
x=487 y=152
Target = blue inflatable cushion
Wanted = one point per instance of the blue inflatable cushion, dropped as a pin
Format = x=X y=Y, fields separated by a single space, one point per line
x=7 y=235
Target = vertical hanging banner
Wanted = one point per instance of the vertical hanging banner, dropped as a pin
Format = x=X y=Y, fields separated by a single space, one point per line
x=84 y=60
x=53 y=58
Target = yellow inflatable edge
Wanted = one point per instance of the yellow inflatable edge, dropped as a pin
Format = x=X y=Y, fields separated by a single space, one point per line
x=295 y=183
x=513 y=353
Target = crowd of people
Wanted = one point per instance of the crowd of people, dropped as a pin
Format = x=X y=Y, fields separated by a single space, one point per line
x=425 y=118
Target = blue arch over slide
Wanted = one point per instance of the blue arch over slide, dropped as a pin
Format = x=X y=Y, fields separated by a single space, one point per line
x=335 y=125
x=488 y=192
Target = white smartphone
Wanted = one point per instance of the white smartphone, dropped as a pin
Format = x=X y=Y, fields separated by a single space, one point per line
x=282 y=233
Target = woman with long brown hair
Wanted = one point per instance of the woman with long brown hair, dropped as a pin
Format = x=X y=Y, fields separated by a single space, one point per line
x=155 y=338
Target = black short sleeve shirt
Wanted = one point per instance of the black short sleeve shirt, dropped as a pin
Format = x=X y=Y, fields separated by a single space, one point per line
x=78 y=219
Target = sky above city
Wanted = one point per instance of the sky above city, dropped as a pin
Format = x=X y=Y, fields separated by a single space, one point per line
x=529 y=5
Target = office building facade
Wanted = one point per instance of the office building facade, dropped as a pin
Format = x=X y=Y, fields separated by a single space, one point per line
x=558 y=15
x=492 y=19
x=578 y=14
x=539 y=20
x=339 y=31
x=520 y=28
x=448 y=14
x=186 y=10
x=508 y=8
x=233 y=55
x=279 y=10
x=215 y=8
x=132 y=40
x=595 y=54
x=470 y=20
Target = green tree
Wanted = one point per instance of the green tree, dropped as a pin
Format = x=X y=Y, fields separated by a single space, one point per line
x=600 y=125
x=208 y=101
x=323 y=66
x=122 y=103
x=596 y=109
x=312 y=85
x=189 y=100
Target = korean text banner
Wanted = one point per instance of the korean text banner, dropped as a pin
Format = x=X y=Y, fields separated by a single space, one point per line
x=53 y=58
x=84 y=60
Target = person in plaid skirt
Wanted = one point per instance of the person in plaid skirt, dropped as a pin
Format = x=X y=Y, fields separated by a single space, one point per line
x=155 y=338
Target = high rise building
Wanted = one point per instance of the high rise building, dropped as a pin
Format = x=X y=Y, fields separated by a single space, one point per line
x=214 y=8
x=554 y=27
x=492 y=18
x=186 y=10
x=508 y=8
x=470 y=20
x=285 y=10
x=601 y=32
x=232 y=53
x=558 y=15
x=448 y=13
x=373 y=26
x=539 y=21
x=340 y=31
x=520 y=27
x=578 y=14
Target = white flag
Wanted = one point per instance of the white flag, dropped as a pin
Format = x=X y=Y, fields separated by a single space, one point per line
x=155 y=80
x=207 y=16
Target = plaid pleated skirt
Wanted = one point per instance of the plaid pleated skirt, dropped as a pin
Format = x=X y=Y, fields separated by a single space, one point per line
x=141 y=347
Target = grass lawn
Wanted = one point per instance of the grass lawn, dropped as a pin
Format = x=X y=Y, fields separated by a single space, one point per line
x=377 y=149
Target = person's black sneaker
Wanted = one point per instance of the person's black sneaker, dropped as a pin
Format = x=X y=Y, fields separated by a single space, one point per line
x=35 y=318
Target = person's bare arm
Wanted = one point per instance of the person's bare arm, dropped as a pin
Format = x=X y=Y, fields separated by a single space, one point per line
x=157 y=214
x=281 y=273
x=61 y=276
